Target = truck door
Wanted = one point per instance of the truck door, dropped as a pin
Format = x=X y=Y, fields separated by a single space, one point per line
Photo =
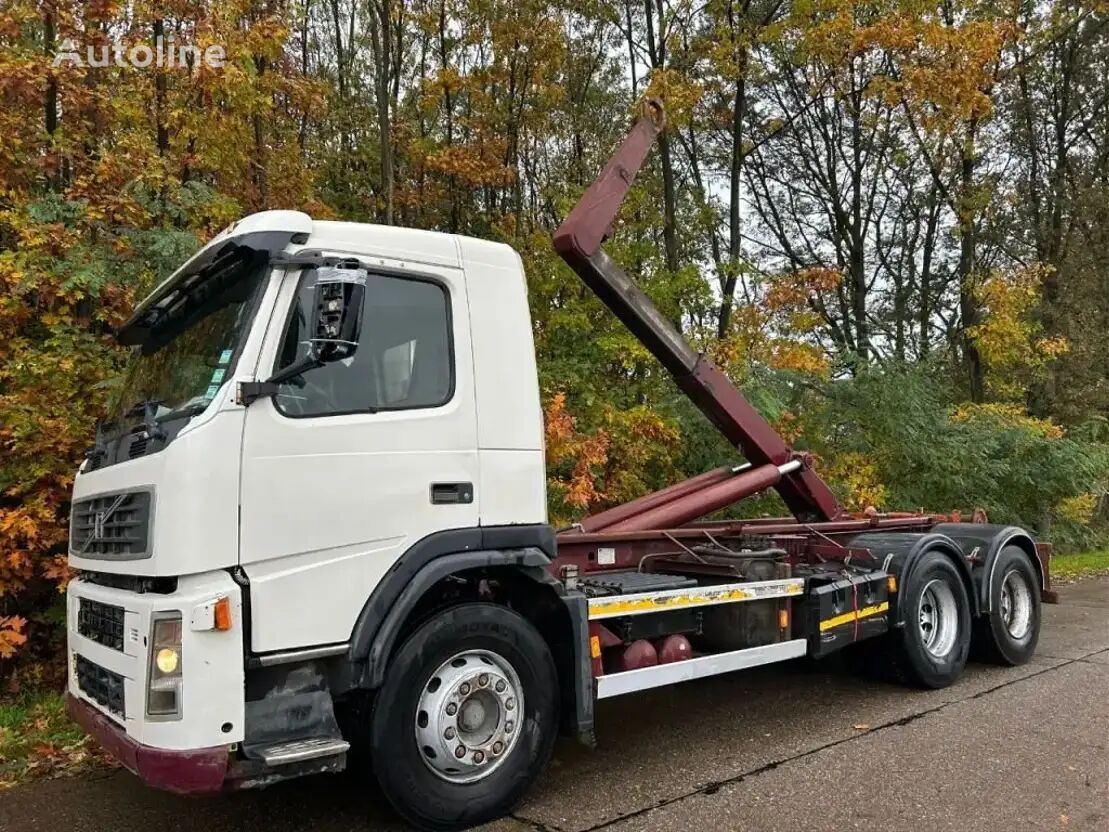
x=355 y=461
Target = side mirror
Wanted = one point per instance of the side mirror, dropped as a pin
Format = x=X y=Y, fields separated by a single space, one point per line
x=337 y=303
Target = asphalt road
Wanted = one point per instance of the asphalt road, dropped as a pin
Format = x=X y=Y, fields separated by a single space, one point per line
x=792 y=747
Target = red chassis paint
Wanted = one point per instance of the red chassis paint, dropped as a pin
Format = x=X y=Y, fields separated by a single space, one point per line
x=647 y=550
x=192 y=771
x=647 y=533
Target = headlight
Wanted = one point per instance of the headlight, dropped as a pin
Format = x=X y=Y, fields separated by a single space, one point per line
x=167 y=660
x=163 y=692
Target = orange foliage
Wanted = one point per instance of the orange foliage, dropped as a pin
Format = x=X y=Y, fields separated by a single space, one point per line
x=84 y=210
x=790 y=292
x=578 y=456
x=590 y=470
x=776 y=331
x=11 y=634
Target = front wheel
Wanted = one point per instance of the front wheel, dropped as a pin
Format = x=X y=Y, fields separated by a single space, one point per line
x=467 y=717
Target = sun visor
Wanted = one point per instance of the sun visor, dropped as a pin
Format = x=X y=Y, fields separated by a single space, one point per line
x=270 y=232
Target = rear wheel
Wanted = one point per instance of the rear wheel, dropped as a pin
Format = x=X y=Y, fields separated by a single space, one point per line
x=930 y=649
x=467 y=717
x=1009 y=632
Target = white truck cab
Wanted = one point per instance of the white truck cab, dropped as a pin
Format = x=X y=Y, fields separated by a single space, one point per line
x=209 y=535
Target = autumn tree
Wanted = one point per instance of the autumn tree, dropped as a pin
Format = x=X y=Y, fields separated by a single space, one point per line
x=886 y=221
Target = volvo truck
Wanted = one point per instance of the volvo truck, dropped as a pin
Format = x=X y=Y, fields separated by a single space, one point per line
x=315 y=526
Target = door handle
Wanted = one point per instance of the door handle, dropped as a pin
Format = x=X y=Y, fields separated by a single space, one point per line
x=452 y=493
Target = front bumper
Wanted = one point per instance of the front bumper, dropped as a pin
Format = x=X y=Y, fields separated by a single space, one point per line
x=212 y=701
x=193 y=771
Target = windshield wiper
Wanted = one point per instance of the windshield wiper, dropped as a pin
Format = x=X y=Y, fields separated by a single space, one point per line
x=192 y=409
x=99 y=447
x=150 y=420
x=149 y=410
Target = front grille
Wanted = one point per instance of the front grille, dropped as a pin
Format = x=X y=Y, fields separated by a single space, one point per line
x=101 y=685
x=112 y=526
x=103 y=623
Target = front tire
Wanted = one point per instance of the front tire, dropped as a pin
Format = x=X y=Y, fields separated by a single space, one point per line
x=930 y=649
x=1009 y=632
x=466 y=719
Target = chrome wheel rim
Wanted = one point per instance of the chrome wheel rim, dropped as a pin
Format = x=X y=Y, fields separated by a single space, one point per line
x=1016 y=604
x=938 y=617
x=468 y=716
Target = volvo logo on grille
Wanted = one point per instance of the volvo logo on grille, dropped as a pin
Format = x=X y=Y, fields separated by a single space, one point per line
x=99 y=519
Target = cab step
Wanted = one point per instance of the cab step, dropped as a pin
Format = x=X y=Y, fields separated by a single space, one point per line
x=297 y=751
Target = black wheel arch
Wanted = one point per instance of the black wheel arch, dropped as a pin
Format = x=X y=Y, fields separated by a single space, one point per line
x=981 y=543
x=900 y=554
x=518 y=557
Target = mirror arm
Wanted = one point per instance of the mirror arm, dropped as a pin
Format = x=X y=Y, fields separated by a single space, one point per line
x=250 y=391
x=338 y=304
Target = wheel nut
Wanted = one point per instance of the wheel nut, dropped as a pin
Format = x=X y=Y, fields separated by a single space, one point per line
x=483 y=679
x=452 y=709
x=449 y=733
x=465 y=688
x=498 y=747
x=500 y=686
x=479 y=758
x=508 y=726
x=460 y=752
x=510 y=704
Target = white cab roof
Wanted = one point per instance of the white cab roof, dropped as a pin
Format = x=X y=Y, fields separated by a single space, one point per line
x=432 y=247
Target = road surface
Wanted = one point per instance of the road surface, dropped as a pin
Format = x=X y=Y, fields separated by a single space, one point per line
x=792 y=747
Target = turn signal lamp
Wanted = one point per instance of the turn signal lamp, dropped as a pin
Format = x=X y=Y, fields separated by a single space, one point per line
x=222 y=613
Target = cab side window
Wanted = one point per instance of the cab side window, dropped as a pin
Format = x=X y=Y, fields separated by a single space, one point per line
x=404 y=359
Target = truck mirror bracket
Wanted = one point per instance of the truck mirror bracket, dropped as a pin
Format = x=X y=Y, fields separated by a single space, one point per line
x=249 y=392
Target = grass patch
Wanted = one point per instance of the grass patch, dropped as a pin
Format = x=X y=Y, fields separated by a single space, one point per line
x=1069 y=567
x=38 y=739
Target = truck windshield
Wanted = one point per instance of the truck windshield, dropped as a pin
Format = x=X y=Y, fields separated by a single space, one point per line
x=188 y=354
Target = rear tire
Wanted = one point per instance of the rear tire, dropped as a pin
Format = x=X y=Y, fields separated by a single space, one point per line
x=930 y=649
x=1009 y=632
x=476 y=679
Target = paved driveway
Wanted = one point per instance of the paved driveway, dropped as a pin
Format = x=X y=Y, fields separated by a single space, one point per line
x=796 y=747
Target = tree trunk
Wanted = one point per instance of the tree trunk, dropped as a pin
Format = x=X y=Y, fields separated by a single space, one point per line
x=969 y=312
x=739 y=111
x=656 y=49
x=924 y=310
x=381 y=33
x=50 y=105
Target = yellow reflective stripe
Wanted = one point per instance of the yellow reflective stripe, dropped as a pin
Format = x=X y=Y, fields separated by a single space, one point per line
x=617 y=605
x=640 y=604
x=848 y=617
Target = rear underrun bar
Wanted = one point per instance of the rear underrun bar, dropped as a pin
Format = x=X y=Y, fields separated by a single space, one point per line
x=578 y=241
